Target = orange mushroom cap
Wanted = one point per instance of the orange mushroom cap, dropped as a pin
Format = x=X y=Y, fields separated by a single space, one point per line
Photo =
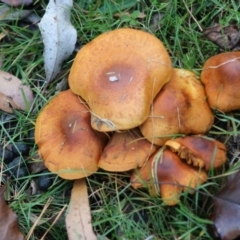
x=166 y=175
x=118 y=74
x=126 y=151
x=221 y=78
x=179 y=108
x=66 y=142
x=199 y=151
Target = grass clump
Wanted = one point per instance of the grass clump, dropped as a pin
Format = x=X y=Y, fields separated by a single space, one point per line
x=118 y=211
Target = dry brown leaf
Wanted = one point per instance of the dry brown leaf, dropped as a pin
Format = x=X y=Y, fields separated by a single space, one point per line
x=225 y=37
x=13 y=94
x=226 y=216
x=78 y=220
x=8 y=221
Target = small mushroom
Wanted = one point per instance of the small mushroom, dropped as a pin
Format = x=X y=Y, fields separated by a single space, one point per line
x=179 y=108
x=200 y=151
x=66 y=142
x=70 y=148
x=118 y=74
x=125 y=151
x=167 y=176
x=221 y=78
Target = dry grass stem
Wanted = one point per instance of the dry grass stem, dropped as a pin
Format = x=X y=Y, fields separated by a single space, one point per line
x=30 y=233
x=222 y=64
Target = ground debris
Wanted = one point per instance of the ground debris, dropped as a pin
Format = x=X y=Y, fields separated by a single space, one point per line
x=227 y=37
x=226 y=216
x=8 y=221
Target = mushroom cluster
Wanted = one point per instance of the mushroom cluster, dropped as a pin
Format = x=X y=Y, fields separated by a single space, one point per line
x=180 y=166
x=132 y=111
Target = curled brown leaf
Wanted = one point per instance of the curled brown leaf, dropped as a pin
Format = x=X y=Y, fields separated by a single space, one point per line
x=226 y=216
x=225 y=37
x=9 y=228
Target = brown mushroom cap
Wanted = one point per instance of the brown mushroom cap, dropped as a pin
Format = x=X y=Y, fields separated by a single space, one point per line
x=199 y=151
x=126 y=151
x=179 y=108
x=118 y=74
x=221 y=78
x=66 y=142
x=166 y=175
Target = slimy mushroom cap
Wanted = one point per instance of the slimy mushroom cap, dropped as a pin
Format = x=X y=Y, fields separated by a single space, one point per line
x=66 y=142
x=118 y=74
x=221 y=78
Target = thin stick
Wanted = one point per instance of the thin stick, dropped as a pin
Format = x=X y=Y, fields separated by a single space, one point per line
x=195 y=20
x=39 y=218
x=55 y=220
x=1 y=167
x=224 y=63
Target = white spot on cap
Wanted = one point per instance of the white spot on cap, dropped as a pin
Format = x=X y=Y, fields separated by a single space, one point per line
x=113 y=78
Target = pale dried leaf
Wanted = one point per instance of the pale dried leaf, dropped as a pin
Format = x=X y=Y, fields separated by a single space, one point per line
x=33 y=188
x=8 y=221
x=59 y=36
x=6 y=103
x=78 y=220
x=17 y=3
x=9 y=14
x=2 y=35
x=13 y=94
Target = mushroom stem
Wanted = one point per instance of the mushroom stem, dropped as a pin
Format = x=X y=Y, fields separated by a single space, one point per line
x=78 y=219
